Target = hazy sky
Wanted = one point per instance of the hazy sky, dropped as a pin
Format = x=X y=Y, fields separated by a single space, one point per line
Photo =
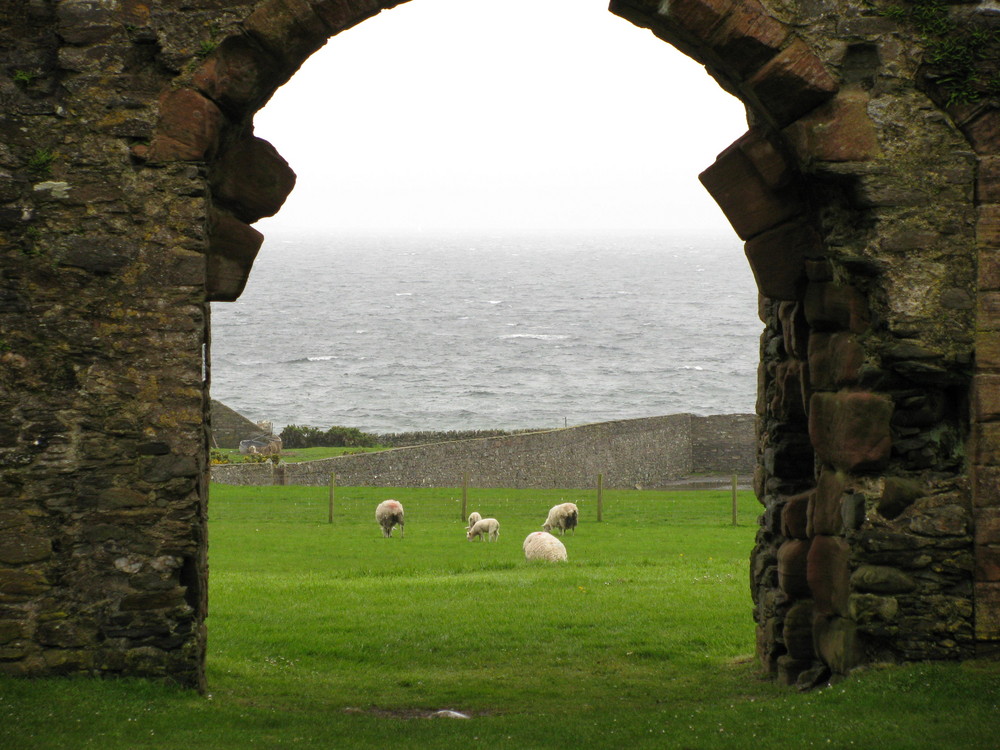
x=511 y=114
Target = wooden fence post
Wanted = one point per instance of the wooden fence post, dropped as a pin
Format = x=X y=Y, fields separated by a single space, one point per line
x=333 y=492
x=600 y=498
x=735 y=504
x=465 y=495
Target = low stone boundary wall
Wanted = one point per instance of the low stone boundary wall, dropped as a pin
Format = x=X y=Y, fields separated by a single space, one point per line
x=637 y=453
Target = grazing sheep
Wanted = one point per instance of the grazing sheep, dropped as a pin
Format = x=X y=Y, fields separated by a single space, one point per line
x=484 y=527
x=562 y=517
x=541 y=545
x=473 y=517
x=388 y=514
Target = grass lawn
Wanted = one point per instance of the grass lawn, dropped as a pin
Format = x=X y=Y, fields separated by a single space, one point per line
x=329 y=636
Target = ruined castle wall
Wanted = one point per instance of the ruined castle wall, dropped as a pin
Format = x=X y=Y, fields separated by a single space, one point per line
x=855 y=191
x=866 y=191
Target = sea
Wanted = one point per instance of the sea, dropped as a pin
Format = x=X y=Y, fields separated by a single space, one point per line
x=478 y=331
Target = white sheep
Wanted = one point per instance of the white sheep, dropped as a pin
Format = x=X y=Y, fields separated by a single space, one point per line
x=484 y=527
x=563 y=517
x=388 y=514
x=541 y=545
x=473 y=517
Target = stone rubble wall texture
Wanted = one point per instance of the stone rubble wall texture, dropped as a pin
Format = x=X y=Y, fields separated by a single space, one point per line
x=867 y=193
x=645 y=453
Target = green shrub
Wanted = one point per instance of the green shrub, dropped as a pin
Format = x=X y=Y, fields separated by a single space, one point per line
x=295 y=436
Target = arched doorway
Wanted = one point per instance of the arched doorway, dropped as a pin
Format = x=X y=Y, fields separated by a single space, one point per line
x=802 y=188
x=865 y=191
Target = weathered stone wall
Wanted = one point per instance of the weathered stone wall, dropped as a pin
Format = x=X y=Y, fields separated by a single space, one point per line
x=723 y=444
x=645 y=453
x=855 y=193
x=229 y=427
x=866 y=190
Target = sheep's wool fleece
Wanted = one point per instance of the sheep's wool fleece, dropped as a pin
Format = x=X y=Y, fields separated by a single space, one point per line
x=541 y=545
x=559 y=515
x=485 y=527
x=389 y=510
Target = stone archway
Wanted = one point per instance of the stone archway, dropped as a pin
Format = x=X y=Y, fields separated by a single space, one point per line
x=865 y=190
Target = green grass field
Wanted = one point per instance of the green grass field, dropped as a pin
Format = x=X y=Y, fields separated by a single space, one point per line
x=329 y=636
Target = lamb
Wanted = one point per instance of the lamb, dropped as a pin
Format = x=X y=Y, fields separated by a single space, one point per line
x=562 y=517
x=484 y=527
x=473 y=517
x=388 y=514
x=541 y=545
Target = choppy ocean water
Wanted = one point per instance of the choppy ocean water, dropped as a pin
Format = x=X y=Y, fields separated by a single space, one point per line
x=390 y=334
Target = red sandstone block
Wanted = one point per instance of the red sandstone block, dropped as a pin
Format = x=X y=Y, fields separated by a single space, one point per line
x=840 y=130
x=986 y=397
x=290 y=29
x=777 y=259
x=748 y=38
x=987 y=522
x=850 y=430
x=188 y=128
x=988 y=312
x=987 y=564
x=837 y=643
x=339 y=15
x=233 y=246
x=983 y=132
x=787 y=404
x=794 y=329
x=771 y=164
x=829 y=575
x=744 y=196
x=835 y=360
x=793 y=83
x=989 y=269
x=988 y=351
x=985 y=443
x=988 y=180
x=831 y=306
x=695 y=17
x=238 y=75
x=792 y=568
x=987 y=601
x=988 y=225
x=252 y=179
x=793 y=516
x=825 y=517
x=797 y=631
x=986 y=486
